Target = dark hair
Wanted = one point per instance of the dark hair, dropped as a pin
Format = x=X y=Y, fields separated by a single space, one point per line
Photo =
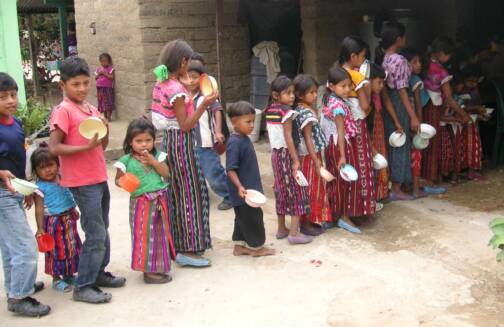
x=302 y=84
x=135 y=127
x=240 y=108
x=72 y=67
x=174 y=52
x=279 y=84
x=472 y=70
x=410 y=53
x=199 y=57
x=442 y=44
x=197 y=66
x=41 y=157
x=457 y=78
x=335 y=75
x=376 y=71
x=7 y=83
x=351 y=45
x=71 y=26
x=106 y=55
x=389 y=32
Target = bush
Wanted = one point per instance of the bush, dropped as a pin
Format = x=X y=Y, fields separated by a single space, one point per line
x=497 y=241
x=34 y=117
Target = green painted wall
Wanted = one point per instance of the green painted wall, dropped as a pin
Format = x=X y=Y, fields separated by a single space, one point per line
x=10 y=51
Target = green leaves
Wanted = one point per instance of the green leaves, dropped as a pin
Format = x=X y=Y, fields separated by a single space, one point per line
x=34 y=116
x=496 y=222
x=497 y=241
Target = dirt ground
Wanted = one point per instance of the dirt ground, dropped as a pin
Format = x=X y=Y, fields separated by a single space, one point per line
x=421 y=263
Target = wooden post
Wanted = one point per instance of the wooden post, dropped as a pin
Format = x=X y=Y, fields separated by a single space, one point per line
x=33 y=56
x=219 y=27
x=63 y=25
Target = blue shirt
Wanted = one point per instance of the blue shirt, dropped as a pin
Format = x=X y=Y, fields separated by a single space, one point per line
x=241 y=157
x=12 y=148
x=424 y=96
x=57 y=199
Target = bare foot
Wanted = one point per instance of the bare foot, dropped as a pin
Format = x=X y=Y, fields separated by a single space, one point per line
x=262 y=252
x=241 y=250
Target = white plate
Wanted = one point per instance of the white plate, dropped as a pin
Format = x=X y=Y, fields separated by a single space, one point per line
x=348 y=173
x=397 y=140
x=301 y=179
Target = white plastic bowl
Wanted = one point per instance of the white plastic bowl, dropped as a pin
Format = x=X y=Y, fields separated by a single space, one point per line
x=419 y=142
x=255 y=199
x=379 y=162
x=23 y=187
x=489 y=111
x=397 y=139
x=474 y=117
x=89 y=127
x=326 y=175
x=301 y=179
x=348 y=173
x=427 y=131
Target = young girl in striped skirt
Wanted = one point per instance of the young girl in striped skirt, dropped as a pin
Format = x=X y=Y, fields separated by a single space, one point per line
x=152 y=245
x=310 y=149
x=291 y=198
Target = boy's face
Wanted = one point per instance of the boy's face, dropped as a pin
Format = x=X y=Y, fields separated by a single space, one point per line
x=471 y=83
x=76 y=88
x=377 y=85
x=8 y=103
x=193 y=81
x=416 y=65
x=243 y=125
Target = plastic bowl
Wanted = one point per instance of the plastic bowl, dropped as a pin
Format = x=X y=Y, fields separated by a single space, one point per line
x=474 y=117
x=45 y=242
x=208 y=85
x=301 y=179
x=219 y=147
x=419 y=142
x=255 y=199
x=379 y=162
x=427 y=131
x=348 y=173
x=326 y=175
x=397 y=139
x=489 y=111
x=92 y=125
x=129 y=182
x=23 y=187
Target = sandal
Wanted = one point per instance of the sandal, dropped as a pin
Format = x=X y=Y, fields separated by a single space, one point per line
x=282 y=235
x=70 y=280
x=159 y=279
x=61 y=286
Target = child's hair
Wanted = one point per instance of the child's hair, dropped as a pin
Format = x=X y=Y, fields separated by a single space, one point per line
x=72 y=67
x=240 y=108
x=41 y=157
x=199 y=57
x=7 y=83
x=138 y=126
x=173 y=53
x=302 y=84
x=472 y=70
x=389 y=32
x=376 y=71
x=457 y=78
x=410 y=53
x=442 y=44
x=349 y=46
x=335 y=75
x=106 y=55
x=197 y=66
x=279 y=84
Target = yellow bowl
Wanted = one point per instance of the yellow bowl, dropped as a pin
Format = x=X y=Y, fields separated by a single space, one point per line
x=92 y=125
x=208 y=85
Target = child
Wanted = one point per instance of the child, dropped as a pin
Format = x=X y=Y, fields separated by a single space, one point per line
x=311 y=145
x=105 y=76
x=438 y=87
x=208 y=133
x=173 y=112
x=352 y=56
x=339 y=128
x=83 y=170
x=393 y=39
x=291 y=198
x=56 y=214
x=376 y=130
x=149 y=205
x=17 y=244
x=243 y=172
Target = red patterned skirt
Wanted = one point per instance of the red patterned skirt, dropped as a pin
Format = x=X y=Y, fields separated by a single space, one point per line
x=416 y=162
x=378 y=141
x=431 y=155
x=105 y=97
x=320 y=210
x=472 y=146
x=452 y=150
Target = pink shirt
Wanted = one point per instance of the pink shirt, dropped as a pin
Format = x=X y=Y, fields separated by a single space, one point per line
x=84 y=168
x=164 y=95
x=103 y=81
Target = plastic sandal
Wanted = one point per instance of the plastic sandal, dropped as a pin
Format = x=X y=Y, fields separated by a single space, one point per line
x=434 y=189
x=346 y=226
x=61 y=286
x=184 y=260
x=281 y=235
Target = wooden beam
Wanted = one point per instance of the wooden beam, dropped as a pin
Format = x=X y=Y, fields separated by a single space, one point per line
x=219 y=28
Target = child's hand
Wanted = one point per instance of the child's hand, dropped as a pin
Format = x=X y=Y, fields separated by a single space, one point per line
x=219 y=137
x=482 y=110
x=242 y=192
x=341 y=162
x=147 y=158
x=209 y=100
x=415 y=124
x=40 y=231
x=398 y=127
x=6 y=176
x=28 y=202
x=295 y=168
x=94 y=142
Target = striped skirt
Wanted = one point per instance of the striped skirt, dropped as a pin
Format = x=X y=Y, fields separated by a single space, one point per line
x=472 y=147
x=291 y=199
x=151 y=241
x=105 y=97
x=431 y=155
x=190 y=224
x=451 y=151
x=63 y=260
x=320 y=210
x=378 y=141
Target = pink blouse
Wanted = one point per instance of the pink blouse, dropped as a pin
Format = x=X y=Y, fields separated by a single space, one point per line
x=336 y=106
x=103 y=81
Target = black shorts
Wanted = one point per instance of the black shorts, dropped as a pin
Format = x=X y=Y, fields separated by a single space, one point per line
x=249 y=226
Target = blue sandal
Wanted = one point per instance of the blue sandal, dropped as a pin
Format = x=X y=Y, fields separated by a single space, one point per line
x=184 y=260
x=346 y=226
x=61 y=286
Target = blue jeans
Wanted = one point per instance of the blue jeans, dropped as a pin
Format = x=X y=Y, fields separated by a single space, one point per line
x=213 y=171
x=18 y=246
x=94 y=204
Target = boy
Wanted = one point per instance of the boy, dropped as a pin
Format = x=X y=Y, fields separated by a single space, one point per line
x=243 y=173
x=83 y=170
x=17 y=244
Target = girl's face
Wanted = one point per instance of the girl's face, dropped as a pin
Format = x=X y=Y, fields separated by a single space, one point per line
x=357 y=59
x=442 y=57
x=471 y=83
x=310 y=97
x=104 y=61
x=286 y=96
x=47 y=171
x=342 y=89
x=416 y=65
x=458 y=88
x=192 y=81
x=377 y=85
x=142 y=142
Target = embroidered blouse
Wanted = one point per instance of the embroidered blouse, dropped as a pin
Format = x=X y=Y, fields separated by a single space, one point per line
x=276 y=115
x=305 y=117
x=164 y=95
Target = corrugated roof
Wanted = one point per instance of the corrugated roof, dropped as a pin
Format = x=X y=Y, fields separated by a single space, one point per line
x=40 y=7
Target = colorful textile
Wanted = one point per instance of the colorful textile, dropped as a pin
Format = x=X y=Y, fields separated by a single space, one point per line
x=291 y=199
x=63 y=260
x=380 y=146
x=320 y=210
x=398 y=71
x=164 y=95
x=105 y=97
x=437 y=75
x=337 y=106
x=276 y=115
x=447 y=153
x=358 y=81
x=415 y=82
x=57 y=199
x=102 y=80
x=190 y=224
x=472 y=146
x=416 y=162
x=305 y=117
x=151 y=240
x=431 y=155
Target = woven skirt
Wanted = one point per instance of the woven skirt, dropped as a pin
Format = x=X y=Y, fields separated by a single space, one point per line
x=378 y=141
x=431 y=155
x=472 y=147
x=320 y=210
x=105 y=97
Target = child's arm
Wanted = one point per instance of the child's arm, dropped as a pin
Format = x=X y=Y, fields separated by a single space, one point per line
x=391 y=110
x=186 y=122
x=57 y=147
x=6 y=176
x=110 y=76
x=160 y=167
x=290 y=146
x=39 y=214
x=418 y=103
x=233 y=177
x=218 y=127
x=446 y=90
x=340 y=125
x=414 y=123
x=475 y=109
x=307 y=133
x=119 y=174
x=362 y=94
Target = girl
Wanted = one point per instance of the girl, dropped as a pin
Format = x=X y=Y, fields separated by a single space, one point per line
x=152 y=245
x=352 y=56
x=312 y=143
x=56 y=214
x=339 y=128
x=105 y=76
x=173 y=112
x=291 y=198
x=438 y=87
x=396 y=99
x=376 y=129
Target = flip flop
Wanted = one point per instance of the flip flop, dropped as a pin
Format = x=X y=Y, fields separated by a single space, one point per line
x=61 y=286
x=314 y=231
x=281 y=235
x=395 y=197
x=346 y=226
x=300 y=238
x=184 y=260
x=162 y=280
x=434 y=189
x=379 y=206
